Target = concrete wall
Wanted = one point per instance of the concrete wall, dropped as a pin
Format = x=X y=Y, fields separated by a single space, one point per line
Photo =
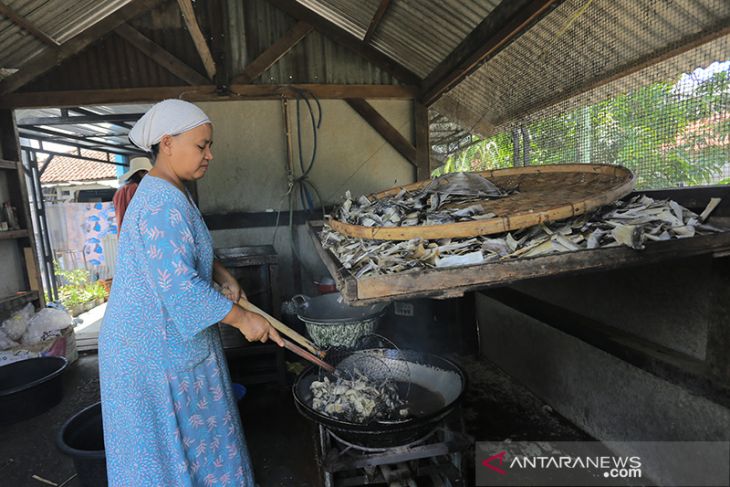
x=608 y=398
x=11 y=271
x=666 y=303
x=248 y=173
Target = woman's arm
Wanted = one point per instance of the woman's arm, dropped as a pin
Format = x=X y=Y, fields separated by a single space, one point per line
x=228 y=283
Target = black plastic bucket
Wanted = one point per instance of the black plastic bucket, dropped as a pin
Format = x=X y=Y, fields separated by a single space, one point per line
x=82 y=438
x=30 y=387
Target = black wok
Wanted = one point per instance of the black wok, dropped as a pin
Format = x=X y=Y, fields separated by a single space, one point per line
x=431 y=372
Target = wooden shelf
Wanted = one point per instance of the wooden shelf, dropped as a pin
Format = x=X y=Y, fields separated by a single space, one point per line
x=9 y=165
x=9 y=304
x=21 y=296
x=454 y=281
x=10 y=234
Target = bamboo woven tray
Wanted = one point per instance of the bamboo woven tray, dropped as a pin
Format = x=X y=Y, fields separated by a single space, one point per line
x=544 y=193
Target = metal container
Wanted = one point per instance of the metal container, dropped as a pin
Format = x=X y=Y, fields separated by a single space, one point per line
x=330 y=322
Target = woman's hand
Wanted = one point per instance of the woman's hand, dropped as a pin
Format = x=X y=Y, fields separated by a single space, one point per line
x=253 y=326
x=228 y=283
x=256 y=329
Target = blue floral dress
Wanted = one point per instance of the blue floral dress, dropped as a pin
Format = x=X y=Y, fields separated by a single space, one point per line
x=169 y=413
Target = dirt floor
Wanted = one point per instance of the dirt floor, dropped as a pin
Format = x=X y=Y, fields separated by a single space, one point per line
x=281 y=442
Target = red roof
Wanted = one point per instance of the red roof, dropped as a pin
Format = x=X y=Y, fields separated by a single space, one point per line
x=67 y=168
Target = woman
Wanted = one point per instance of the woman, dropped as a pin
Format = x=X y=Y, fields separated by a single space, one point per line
x=138 y=168
x=168 y=408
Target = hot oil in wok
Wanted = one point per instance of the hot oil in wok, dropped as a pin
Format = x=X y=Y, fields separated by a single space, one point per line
x=419 y=400
x=361 y=400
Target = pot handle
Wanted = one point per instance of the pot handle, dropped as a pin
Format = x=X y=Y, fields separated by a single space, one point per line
x=301 y=301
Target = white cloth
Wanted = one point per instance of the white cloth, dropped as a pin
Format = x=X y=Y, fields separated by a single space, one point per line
x=169 y=117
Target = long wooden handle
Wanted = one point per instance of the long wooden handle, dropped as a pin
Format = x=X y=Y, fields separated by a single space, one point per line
x=282 y=328
x=308 y=356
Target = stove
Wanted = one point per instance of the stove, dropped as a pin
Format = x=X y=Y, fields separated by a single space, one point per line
x=436 y=459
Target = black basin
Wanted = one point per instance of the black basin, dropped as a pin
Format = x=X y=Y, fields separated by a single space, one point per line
x=82 y=439
x=30 y=387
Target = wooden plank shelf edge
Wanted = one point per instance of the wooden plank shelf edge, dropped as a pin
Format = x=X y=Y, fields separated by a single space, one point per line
x=453 y=282
x=10 y=165
x=17 y=300
x=10 y=234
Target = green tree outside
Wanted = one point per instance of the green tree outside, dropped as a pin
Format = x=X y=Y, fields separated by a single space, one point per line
x=666 y=137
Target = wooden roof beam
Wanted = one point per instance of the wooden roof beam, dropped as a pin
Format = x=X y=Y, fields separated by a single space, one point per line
x=344 y=38
x=503 y=25
x=52 y=57
x=202 y=93
x=386 y=130
x=186 y=7
x=274 y=52
x=27 y=25
x=375 y=22
x=160 y=55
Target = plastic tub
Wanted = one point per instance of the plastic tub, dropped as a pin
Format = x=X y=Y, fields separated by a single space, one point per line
x=82 y=439
x=30 y=387
x=239 y=391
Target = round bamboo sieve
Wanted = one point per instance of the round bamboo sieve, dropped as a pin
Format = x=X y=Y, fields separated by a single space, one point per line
x=544 y=193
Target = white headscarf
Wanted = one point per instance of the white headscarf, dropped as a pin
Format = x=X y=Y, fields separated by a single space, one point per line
x=169 y=117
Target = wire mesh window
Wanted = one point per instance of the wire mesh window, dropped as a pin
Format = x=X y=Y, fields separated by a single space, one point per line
x=669 y=121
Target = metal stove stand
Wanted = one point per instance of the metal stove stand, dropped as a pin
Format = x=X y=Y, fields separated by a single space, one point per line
x=436 y=459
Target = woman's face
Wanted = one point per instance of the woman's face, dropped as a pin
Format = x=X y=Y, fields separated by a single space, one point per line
x=190 y=152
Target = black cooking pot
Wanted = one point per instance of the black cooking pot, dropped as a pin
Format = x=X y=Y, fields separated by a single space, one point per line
x=431 y=372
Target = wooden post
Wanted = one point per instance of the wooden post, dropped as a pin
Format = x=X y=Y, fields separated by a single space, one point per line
x=423 y=141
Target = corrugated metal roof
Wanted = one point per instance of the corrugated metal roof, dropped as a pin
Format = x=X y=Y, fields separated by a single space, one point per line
x=421 y=34
x=570 y=49
x=315 y=59
x=253 y=26
x=114 y=63
x=418 y=34
x=354 y=17
x=59 y=19
x=91 y=69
